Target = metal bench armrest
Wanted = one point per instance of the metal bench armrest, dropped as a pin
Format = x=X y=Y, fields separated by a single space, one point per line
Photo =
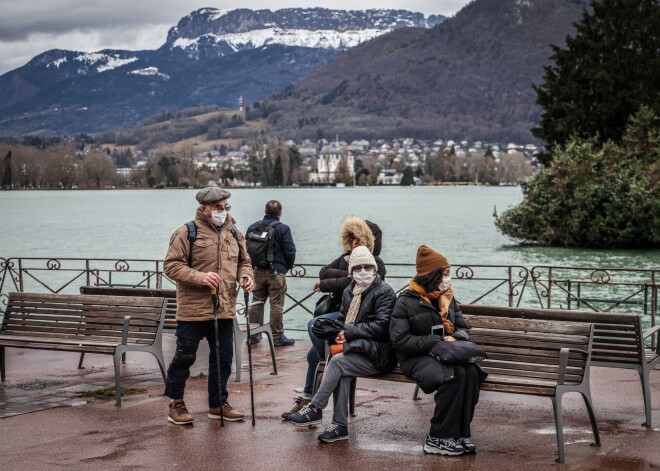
x=124 y=330
x=650 y=331
x=563 y=361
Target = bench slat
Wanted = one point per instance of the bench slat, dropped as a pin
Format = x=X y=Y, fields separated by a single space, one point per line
x=76 y=299
x=528 y=325
x=91 y=311
x=75 y=339
x=81 y=330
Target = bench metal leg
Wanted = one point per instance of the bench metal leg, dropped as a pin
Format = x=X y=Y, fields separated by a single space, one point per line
x=123 y=358
x=2 y=363
x=80 y=362
x=592 y=418
x=272 y=351
x=556 y=406
x=644 y=374
x=238 y=352
x=416 y=395
x=117 y=358
x=351 y=397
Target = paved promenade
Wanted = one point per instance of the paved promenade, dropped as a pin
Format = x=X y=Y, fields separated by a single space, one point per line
x=45 y=423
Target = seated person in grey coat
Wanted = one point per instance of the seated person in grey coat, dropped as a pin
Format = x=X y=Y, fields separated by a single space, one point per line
x=364 y=347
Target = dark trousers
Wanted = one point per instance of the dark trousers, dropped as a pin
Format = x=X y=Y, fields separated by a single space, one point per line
x=188 y=336
x=454 y=404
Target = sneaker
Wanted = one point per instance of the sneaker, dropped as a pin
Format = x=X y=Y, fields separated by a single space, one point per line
x=254 y=339
x=283 y=342
x=307 y=415
x=469 y=447
x=334 y=433
x=179 y=414
x=229 y=413
x=442 y=446
x=298 y=404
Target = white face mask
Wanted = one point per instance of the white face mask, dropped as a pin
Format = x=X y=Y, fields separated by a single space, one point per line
x=364 y=277
x=219 y=217
x=444 y=284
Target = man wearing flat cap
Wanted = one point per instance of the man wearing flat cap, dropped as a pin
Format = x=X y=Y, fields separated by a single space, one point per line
x=206 y=256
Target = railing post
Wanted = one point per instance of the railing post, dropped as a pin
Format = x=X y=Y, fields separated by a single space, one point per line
x=20 y=274
x=510 y=288
x=87 y=273
x=579 y=295
x=549 y=288
x=568 y=295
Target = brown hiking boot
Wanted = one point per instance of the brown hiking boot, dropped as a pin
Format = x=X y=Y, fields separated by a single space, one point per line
x=179 y=414
x=229 y=413
x=299 y=403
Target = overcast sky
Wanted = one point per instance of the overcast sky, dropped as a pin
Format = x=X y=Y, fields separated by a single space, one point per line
x=29 y=27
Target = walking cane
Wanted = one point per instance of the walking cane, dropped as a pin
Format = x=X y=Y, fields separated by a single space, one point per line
x=214 y=298
x=247 y=321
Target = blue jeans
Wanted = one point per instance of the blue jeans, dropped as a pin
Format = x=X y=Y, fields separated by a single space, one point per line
x=316 y=353
x=188 y=336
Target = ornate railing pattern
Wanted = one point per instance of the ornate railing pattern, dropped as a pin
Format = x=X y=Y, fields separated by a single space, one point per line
x=598 y=289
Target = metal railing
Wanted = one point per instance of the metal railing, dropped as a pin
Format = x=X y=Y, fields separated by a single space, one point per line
x=559 y=287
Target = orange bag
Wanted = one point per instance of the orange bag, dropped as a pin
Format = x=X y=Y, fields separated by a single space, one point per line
x=336 y=348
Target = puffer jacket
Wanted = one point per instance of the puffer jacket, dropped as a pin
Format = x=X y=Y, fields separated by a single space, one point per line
x=334 y=277
x=410 y=331
x=213 y=250
x=370 y=332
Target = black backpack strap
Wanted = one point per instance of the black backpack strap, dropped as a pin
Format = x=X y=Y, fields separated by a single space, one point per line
x=240 y=254
x=192 y=236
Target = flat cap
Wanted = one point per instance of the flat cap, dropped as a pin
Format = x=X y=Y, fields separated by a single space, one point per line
x=211 y=194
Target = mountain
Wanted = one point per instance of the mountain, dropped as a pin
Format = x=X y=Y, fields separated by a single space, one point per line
x=211 y=57
x=468 y=78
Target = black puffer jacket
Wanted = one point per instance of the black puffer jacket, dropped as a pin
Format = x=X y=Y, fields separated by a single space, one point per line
x=410 y=331
x=370 y=332
x=334 y=277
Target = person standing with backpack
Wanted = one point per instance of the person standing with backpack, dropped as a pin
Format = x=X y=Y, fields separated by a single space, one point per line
x=207 y=258
x=273 y=254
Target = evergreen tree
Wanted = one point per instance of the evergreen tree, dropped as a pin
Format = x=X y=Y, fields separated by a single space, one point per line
x=6 y=171
x=408 y=178
x=278 y=171
x=603 y=75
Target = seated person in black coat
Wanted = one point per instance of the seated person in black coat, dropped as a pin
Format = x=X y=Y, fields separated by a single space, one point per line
x=427 y=313
x=364 y=347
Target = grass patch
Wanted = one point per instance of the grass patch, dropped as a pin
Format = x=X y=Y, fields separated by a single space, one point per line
x=109 y=393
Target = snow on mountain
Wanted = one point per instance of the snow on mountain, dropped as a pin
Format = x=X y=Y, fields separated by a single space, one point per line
x=149 y=71
x=326 y=39
x=106 y=61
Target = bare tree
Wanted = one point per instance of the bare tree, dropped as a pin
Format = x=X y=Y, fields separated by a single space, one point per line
x=99 y=169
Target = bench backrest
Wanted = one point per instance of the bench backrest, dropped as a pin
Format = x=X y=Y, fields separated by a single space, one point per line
x=168 y=294
x=617 y=337
x=528 y=350
x=92 y=318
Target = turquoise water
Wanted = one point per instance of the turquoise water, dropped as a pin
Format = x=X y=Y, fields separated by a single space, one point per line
x=137 y=224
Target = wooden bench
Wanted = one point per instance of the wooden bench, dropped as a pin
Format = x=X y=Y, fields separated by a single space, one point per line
x=240 y=330
x=619 y=339
x=536 y=356
x=86 y=324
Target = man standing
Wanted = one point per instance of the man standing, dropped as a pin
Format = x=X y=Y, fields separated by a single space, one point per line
x=206 y=257
x=272 y=239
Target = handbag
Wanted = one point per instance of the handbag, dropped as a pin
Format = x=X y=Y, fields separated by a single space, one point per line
x=460 y=352
x=325 y=305
x=326 y=329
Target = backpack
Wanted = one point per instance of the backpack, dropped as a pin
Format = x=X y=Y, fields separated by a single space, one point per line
x=259 y=242
x=192 y=236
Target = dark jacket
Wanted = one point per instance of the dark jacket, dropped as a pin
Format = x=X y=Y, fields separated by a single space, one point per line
x=370 y=331
x=284 y=250
x=410 y=331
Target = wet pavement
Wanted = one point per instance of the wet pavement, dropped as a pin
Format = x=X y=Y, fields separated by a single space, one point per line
x=46 y=424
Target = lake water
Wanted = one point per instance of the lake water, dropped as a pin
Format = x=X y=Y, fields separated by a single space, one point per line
x=456 y=221
x=137 y=224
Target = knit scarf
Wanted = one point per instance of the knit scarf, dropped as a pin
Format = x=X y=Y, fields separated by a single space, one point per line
x=444 y=299
x=355 y=303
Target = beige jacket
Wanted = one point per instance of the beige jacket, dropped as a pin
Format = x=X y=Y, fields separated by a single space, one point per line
x=215 y=251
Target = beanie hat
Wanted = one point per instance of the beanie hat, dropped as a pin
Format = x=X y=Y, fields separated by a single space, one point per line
x=429 y=260
x=361 y=256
